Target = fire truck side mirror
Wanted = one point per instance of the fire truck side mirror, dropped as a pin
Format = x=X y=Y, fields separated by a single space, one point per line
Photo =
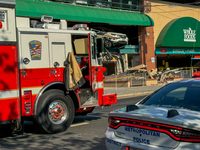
x=26 y=61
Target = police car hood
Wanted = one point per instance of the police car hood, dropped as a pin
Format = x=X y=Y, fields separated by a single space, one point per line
x=145 y=135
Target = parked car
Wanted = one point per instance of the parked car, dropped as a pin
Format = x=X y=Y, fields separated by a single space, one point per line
x=169 y=118
x=111 y=38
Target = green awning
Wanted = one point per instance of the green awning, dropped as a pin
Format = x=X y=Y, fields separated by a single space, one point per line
x=182 y=32
x=37 y=8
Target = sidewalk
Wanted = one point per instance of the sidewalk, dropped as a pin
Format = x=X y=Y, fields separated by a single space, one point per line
x=132 y=91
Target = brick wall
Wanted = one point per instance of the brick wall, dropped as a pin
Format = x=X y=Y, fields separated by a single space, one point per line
x=146 y=43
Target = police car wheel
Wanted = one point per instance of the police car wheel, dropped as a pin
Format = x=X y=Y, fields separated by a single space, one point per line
x=55 y=112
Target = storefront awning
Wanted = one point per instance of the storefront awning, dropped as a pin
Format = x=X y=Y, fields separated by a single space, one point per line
x=180 y=33
x=177 y=50
x=37 y=8
x=128 y=49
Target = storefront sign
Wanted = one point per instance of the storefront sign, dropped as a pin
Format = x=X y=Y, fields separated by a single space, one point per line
x=177 y=51
x=189 y=35
x=197 y=56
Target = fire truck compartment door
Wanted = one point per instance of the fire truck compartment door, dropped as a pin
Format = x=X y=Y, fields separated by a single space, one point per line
x=34 y=57
x=60 y=46
x=94 y=64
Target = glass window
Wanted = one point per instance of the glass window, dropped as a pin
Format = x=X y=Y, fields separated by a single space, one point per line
x=116 y=3
x=94 y=47
x=177 y=95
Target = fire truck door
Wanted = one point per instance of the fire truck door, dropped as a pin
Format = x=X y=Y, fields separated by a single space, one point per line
x=60 y=46
x=58 y=57
x=94 y=64
x=34 y=55
x=89 y=97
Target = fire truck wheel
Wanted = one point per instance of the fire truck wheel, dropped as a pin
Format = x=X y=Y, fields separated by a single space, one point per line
x=55 y=111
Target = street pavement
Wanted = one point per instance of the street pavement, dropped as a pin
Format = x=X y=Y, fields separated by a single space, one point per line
x=123 y=92
x=86 y=132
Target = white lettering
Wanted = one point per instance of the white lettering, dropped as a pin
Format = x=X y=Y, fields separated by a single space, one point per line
x=183 y=50
x=189 y=35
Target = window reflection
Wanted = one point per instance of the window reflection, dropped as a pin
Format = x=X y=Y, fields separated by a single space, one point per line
x=119 y=4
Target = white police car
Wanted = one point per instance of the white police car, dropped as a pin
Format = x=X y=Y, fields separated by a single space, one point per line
x=169 y=118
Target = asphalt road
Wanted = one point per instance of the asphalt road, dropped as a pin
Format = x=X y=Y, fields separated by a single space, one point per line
x=86 y=132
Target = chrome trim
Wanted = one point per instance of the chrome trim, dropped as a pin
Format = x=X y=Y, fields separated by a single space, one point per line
x=40 y=93
x=58 y=112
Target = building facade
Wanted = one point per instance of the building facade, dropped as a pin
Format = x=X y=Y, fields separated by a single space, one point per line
x=176 y=34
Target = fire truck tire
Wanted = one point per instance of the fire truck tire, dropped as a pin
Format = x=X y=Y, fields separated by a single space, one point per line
x=55 y=112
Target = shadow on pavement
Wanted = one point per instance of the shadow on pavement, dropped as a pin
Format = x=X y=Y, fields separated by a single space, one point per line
x=52 y=142
x=32 y=139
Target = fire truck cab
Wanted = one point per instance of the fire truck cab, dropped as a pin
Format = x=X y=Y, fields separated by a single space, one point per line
x=47 y=72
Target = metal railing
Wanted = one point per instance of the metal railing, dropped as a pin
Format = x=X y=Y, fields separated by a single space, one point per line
x=139 y=79
x=186 y=73
x=133 y=5
x=182 y=73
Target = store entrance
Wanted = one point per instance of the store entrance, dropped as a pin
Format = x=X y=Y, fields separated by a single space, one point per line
x=177 y=61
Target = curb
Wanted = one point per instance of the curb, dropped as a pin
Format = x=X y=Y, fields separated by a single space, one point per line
x=134 y=94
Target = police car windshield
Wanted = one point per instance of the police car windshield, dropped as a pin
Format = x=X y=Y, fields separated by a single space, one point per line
x=185 y=95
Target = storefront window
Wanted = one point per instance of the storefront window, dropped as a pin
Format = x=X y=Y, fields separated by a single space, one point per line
x=100 y=3
x=121 y=4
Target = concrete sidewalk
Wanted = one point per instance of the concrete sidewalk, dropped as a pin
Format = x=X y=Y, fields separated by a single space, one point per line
x=124 y=92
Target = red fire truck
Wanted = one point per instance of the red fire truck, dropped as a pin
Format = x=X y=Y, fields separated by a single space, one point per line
x=47 y=72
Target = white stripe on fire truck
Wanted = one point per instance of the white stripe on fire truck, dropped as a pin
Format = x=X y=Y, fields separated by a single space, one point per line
x=99 y=85
x=34 y=90
x=9 y=94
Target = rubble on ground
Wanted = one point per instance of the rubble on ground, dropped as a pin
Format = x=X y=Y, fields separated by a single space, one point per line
x=140 y=73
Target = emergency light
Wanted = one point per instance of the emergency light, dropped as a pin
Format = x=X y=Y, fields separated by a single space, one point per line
x=196 y=74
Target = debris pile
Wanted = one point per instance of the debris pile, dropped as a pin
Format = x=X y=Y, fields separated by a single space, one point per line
x=140 y=73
